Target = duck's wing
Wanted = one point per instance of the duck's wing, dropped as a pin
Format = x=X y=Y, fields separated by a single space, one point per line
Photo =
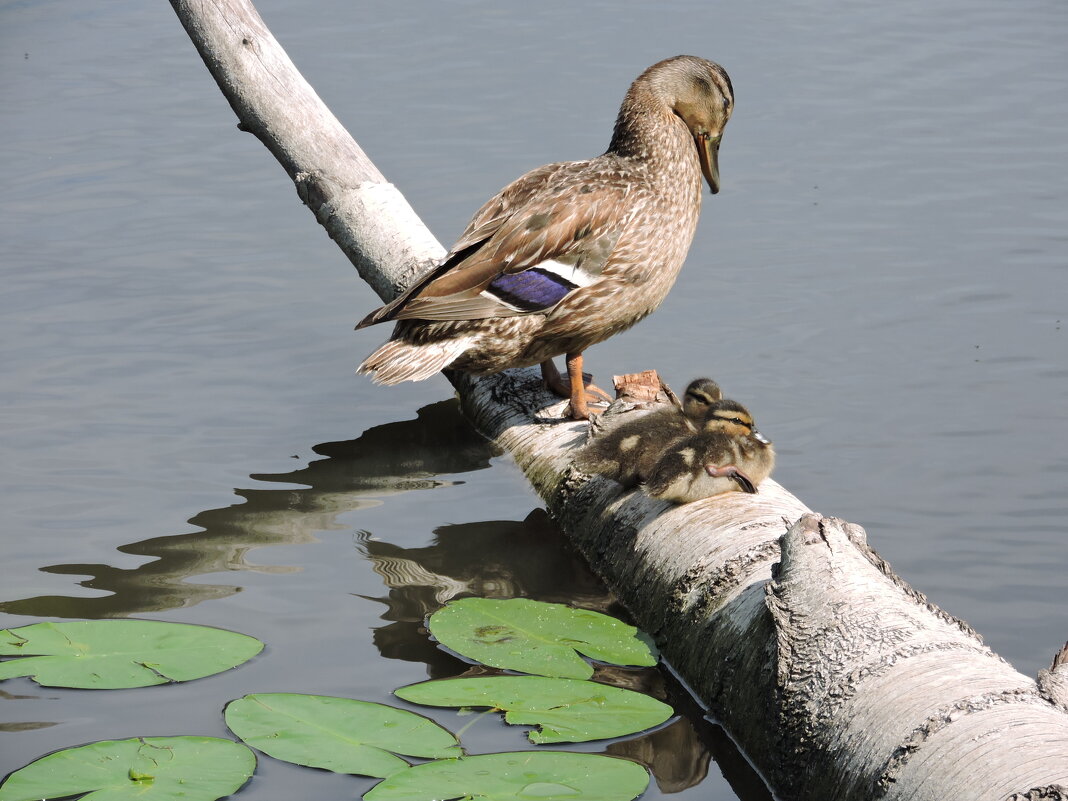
x=523 y=253
x=486 y=222
x=495 y=211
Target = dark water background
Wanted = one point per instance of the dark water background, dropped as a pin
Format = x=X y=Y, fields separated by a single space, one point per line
x=883 y=280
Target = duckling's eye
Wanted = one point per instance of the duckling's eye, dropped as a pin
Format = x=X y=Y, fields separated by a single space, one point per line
x=726 y=104
x=738 y=422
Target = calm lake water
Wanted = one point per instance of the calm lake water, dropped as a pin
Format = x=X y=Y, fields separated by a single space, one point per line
x=883 y=281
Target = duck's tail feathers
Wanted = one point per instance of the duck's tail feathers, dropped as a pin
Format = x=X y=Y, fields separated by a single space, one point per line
x=399 y=360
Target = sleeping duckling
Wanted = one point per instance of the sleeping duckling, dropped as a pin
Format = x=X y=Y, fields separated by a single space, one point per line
x=628 y=452
x=727 y=454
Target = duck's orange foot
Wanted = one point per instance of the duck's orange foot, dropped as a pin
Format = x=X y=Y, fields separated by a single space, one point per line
x=577 y=386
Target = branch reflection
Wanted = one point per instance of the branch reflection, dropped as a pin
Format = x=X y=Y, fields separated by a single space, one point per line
x=533 y=559
x=496 y=559
x=395 y=457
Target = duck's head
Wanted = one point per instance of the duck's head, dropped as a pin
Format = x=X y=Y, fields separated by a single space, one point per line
x=699 y=92
x=732 y=419
x=699 y=397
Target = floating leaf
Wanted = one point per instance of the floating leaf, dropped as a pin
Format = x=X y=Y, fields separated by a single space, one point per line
x=338 y=734
x=112 y=654
x=537 y=637
x=146 y=768
x=567 y=710
x=519 y=776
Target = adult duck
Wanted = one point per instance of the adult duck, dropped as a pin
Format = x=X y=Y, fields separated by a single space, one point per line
x=571 y=253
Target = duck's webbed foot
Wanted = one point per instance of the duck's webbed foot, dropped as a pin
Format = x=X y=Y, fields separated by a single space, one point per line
x=577 y=386
x=730 y=471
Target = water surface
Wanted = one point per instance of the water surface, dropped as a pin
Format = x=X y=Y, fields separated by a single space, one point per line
x=882 y=281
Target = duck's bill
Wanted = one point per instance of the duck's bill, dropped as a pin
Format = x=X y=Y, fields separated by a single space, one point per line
x=745 y=483
x=708 y=153
x=761 y=438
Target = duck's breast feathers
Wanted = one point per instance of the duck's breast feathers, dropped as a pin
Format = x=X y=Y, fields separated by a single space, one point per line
x=532 y=255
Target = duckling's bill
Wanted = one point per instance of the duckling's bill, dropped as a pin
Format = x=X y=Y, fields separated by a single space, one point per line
x=730 y=471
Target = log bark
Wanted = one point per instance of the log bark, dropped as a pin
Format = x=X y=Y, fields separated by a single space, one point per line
x=836 y=678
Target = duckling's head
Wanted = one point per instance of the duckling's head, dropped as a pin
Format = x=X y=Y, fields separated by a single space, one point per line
x=732 y=419
x=699 y=92
x=699 y=397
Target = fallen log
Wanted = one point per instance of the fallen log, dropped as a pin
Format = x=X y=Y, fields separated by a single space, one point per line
x=837 y=679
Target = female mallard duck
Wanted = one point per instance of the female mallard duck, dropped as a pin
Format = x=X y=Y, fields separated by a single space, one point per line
x=573 y=252
x=727 y=454
x=628 y=452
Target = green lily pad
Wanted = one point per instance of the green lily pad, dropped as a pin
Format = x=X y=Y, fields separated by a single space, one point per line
x=537 y=637
x=520 y=776
x=144 y=768
x=338 y=734
x=113 y=654
x=566 y=710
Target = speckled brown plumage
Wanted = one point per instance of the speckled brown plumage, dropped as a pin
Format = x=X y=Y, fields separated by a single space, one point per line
x=728 y=454
x=570 y=253
x=629 y=451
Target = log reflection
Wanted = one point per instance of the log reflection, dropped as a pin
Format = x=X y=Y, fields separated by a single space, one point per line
x=386 y=459
x=533 y=559
x=492 y=559
x=496 y=559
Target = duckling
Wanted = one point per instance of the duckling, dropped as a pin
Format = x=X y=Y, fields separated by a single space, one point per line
x=728 y=454
x=628 y=452
x=570 y=253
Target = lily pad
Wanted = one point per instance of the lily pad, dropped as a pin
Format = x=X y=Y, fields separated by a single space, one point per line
x=338 y=734
x=144 y=768
x=113 y=654
x=536 y=637
x=566 y=710
x=520 y=776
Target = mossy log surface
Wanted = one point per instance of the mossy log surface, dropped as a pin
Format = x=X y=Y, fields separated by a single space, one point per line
x=836 y=678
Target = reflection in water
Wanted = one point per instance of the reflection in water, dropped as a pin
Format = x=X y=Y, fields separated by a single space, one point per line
x=493 y=559
x=533 y=559
x=389 y=458
x=25 y=725
x=678 y=754
x=497 y=559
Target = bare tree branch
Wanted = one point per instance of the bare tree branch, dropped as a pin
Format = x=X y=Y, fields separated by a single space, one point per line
x=836 y=678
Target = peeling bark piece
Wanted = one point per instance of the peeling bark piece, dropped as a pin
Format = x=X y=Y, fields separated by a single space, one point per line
x=644 y=387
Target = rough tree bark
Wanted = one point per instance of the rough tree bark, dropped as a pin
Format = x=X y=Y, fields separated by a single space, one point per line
x=836 y=678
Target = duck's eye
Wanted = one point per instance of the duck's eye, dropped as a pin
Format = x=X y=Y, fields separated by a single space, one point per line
x=726 y=104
